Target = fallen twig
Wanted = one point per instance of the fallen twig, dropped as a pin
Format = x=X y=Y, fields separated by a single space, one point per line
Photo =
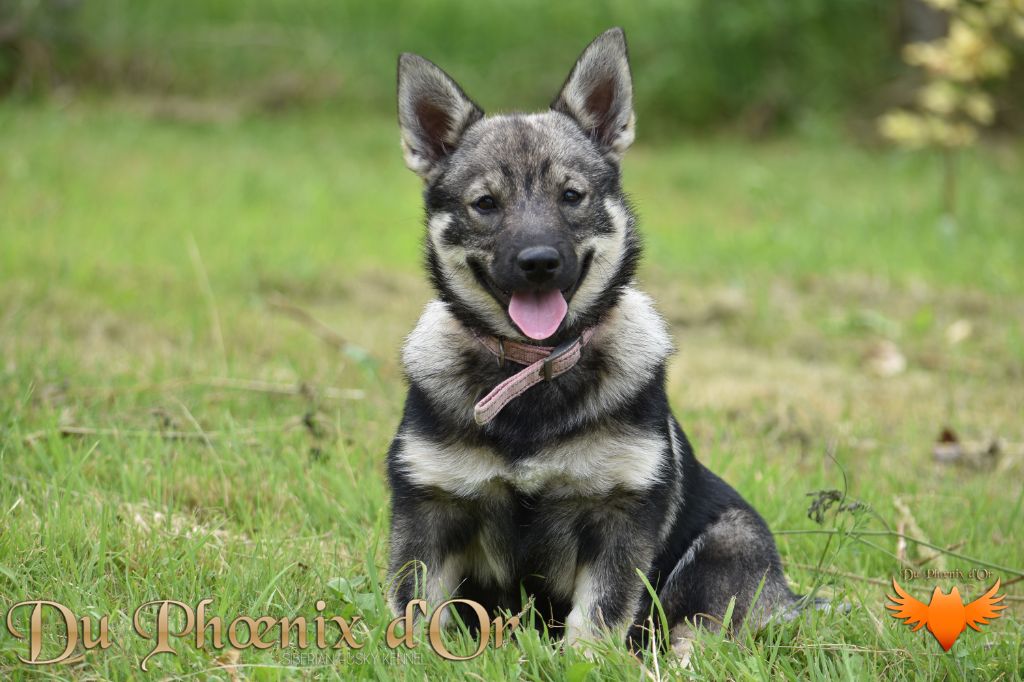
x=68 y=431
x=253 y=385
x=1011 y=581
x=838 y=574
x=301 y=389
x=952 y=548
x=306 y=318
x=138 y=433
x=892 y=533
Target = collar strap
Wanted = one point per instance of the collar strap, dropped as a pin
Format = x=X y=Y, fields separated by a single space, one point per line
x=543 y=363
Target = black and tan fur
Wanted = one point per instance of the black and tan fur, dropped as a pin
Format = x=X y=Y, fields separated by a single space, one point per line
x=586 y=478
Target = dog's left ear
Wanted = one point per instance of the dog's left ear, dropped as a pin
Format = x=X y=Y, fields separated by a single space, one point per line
x=433 y=113
x=598 y=94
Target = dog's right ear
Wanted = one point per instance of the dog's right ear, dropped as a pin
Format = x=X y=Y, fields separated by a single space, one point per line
x=433 y=113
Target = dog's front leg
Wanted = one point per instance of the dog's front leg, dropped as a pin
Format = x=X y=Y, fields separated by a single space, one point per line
x=607 y=589
x=428 y=538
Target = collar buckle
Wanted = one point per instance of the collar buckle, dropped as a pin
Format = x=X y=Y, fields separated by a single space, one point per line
x=547 y=369
x=501 y=352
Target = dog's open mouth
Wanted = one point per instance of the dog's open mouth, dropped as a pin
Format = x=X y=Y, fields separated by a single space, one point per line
x=538 y=314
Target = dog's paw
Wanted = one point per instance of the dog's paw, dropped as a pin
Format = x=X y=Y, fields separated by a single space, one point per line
x=682 y=644
x=579 y=634
x=584 y=647
x=577 y=626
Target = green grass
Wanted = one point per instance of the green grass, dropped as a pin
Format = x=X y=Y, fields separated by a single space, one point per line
x=146 y=260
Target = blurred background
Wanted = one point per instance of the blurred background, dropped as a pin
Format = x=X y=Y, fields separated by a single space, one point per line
x=210 y=254
x=824 y=85
x=749 y=66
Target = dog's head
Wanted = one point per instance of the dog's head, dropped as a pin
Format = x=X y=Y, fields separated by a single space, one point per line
x=529 y=233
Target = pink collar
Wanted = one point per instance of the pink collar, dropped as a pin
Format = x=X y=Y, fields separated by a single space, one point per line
x=543 y=363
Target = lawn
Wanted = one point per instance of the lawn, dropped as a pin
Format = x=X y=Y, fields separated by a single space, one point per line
x=200 y=317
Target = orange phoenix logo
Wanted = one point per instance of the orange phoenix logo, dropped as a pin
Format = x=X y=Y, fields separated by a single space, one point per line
x=946 y=616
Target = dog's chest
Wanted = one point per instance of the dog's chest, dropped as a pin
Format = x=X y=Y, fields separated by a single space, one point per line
x=590 y=464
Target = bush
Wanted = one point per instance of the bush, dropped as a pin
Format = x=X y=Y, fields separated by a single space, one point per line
x=40 y=43
x=697 y=62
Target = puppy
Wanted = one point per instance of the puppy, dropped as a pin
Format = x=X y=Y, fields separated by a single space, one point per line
x=537 y=452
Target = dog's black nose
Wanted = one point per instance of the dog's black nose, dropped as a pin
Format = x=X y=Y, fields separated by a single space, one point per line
x=539 y=263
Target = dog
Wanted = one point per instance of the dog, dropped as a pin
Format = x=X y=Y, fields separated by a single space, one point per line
x=537 y=453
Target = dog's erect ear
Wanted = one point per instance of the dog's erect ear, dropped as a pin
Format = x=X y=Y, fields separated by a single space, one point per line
x=433 y=113
x=599 y=94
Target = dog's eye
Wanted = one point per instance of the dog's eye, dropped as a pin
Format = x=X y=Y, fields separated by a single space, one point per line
x=571 y=196
x=486 y=204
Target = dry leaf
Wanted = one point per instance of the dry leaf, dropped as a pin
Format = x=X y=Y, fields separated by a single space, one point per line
x=885 y=359
x=909 y=527
x=958 y=332
x=229 y=661
x=901 y=542
x=947 y=448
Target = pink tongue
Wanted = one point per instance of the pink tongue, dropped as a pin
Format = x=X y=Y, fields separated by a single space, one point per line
x=538 y=314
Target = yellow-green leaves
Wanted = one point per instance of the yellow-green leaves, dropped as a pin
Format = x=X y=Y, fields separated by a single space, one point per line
x=953 y=102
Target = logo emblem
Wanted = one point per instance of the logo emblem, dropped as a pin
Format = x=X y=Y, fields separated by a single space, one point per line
x=946 y=616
